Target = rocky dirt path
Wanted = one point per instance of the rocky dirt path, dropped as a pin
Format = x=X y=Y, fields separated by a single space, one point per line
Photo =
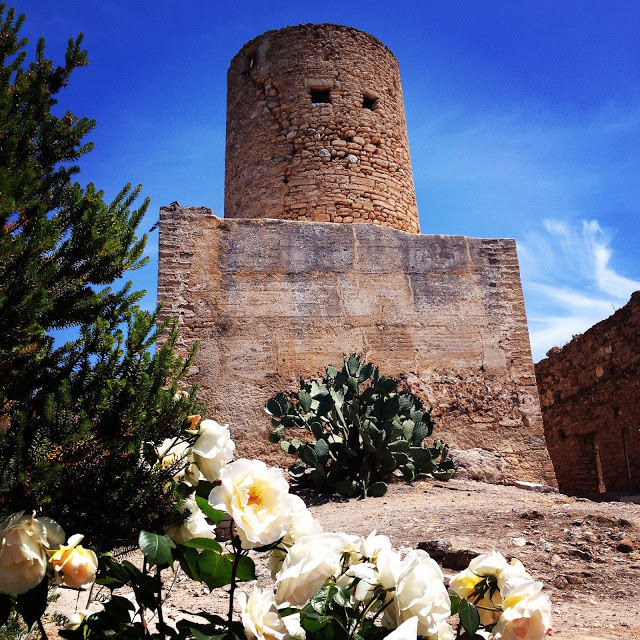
x=586 y=553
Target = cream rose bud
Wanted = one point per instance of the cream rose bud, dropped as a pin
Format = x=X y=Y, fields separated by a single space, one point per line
x=419 y=592
x=513 y=571
x=294 y=626
x=171 y=453
x=260 y=617
x=213 y=449
x=195 y=526
x=77 y=619
x=257 y=499
x=73 y=565
x=24 y=541
x=311 y=561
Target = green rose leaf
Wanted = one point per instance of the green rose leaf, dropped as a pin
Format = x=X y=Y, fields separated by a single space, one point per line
x=469 y=617
x=215 y=515
x=32 y=604
x=203 y=543
x=455 y=602
x=156 y=549
x=214 y=569
x=246 y=569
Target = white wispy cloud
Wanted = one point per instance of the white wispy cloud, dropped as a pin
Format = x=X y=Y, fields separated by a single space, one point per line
x=568 y=281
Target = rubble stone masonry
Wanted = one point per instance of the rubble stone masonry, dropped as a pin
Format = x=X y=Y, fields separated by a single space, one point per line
x=316 y=130
x=590 y=392
x=274 y=300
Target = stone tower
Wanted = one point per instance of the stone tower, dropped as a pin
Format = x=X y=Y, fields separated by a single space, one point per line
x=275 y=290
x=316 y=130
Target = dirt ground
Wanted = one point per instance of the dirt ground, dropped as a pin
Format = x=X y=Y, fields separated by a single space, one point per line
x=586 y=553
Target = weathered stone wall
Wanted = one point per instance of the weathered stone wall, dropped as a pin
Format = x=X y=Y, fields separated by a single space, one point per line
x=273 y=300
x=287 y=157
x=590 y=391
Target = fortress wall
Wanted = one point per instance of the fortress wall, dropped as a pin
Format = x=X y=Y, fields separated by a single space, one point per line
x=589 y=391
x=273 y=300
x=316 y=130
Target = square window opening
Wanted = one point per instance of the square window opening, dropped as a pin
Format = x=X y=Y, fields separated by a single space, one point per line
x=369 y=102
x=320 y=96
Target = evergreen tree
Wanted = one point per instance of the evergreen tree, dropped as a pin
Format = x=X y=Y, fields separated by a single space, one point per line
x=82 y=420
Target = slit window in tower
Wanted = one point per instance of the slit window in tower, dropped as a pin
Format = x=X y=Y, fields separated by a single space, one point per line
x=320 y=96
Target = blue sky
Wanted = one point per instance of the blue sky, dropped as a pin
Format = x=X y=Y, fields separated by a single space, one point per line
x=523 y=118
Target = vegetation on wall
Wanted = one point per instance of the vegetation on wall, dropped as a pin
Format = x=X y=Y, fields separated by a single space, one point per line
x=364 y=429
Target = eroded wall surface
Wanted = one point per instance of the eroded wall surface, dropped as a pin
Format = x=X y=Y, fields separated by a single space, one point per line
x=589 y=392
x=275 y=300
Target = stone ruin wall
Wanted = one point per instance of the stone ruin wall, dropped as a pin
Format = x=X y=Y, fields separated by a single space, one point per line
x=346 y=160
x=590 y=390
x=274 y=300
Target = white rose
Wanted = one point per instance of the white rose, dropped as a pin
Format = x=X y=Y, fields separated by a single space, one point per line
x=74 y=565
x=213 y=449
x=445 y=632
x=528 y=619
x=195 y=526
x=311 y=561
x=302 y=524
x=260 y=616
x=24 y=541
x=513 y=571
x=258 y=500
x=294 y=626
x=408 y=630
x=388 y=563
x=487 y=565
x=420 y=592
x=171 y=455
x=361 y=579
x=77 y=619
x=373 y=544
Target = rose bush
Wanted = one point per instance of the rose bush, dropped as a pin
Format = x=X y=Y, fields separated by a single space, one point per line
x=328 y=585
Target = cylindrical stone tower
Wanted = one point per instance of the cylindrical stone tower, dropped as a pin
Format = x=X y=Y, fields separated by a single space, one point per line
x=316 y=130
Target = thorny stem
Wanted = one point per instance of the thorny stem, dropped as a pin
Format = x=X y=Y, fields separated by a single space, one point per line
x=160 y=614
x=43 y=633
x=238 y=554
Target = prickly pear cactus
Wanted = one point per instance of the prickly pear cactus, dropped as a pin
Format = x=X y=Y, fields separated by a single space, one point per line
x=364 y=430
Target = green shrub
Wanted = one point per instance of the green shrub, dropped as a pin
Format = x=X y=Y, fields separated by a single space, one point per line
x=364 y=429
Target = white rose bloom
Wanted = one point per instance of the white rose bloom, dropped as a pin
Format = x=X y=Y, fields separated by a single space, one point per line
x=362 y=579
x=445 y=632
x=24 y=541
x=302 y=524
x=213 y=449
x=260 y=616
x=294 y=626
x=195 y=526
x=420 y=592
x=528 y=619
x=76 y=619
x=258 y=500
x=513 y=571
x=408 y=630
x=311 y=561
x=489 y=564
x=388 y=563
x=373 y=544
